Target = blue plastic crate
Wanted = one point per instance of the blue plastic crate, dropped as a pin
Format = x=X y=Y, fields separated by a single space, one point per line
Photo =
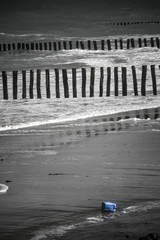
x=108 y=207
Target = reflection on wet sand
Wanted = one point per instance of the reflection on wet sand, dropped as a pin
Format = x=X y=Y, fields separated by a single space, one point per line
x=50 y=136
x=103 y=124
x=114 y=122
x=95 y=125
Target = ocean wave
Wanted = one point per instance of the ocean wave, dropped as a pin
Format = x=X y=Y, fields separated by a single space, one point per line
x=135 y=115
x=25 y=35
x=59 y=37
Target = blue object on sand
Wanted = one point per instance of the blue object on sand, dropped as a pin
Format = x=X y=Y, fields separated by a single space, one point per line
x=108 y=207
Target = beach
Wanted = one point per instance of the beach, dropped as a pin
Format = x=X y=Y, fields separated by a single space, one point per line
x=80 y=119
x=57 y=183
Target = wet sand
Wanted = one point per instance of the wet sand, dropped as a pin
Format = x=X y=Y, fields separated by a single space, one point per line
x=52 y=183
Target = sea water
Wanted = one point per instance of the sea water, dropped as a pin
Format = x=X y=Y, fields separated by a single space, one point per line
x=22 y=113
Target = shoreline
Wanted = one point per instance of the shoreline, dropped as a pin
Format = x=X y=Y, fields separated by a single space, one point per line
x=151 y=113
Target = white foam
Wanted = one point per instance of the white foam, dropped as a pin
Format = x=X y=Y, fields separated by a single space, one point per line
x=142 y=207
x=3 y=188
x=25 y=34
x=53 y=233
x=134 y=120
x=155 y=130
x=95 y=219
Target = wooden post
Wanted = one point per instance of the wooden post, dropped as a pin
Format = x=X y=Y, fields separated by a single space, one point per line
x=23 y=84
x=57 y=83
x=128 y=43
x=50 y=46
x=116 y=81
x=13 y=46
x=65 y=83
x=92 y=78
x=45 y=46
x=102 y=44
x=109 y=44
x=132 y=43
x=23 y=46
x=157 y=42
x=140 y=42
x=153 y=74
x=31 y=84
x=95 y=45
x=64 y=45
x=74 y=82
x=59 y=45
x=89 y=44
x=38 y=83
x=55 y=46
x=121 y=43
x=152 y=41
x=4 y=47
x=82 y=45
x=101 y=82
x=116 y=44
x=145 y=42
x=134 y=81
x=77 y=44
x=108 y=81
x=37 y=48
x=5 y=86
x=27 y=46
x=40 y=47
x=18 y=46
x=143 y=80
x=83 y=82
x=32 y=46
x=48 y=83
x=9 y=46
x=70 y=45
x=15 y=75
x=124 y=81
